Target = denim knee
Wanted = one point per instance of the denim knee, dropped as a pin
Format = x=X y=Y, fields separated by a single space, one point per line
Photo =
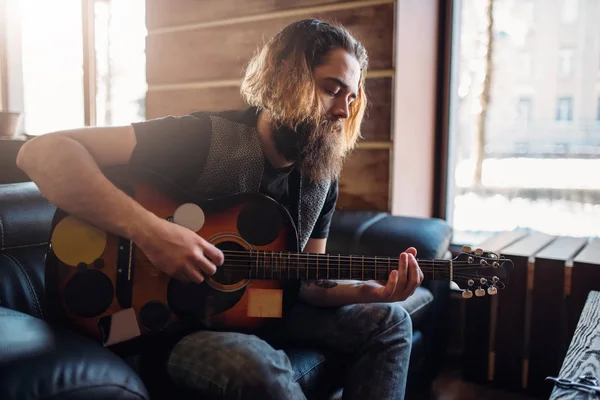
x=390 y=317
x=234 y=366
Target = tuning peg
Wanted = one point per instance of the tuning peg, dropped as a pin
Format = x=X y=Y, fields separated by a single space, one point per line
x=495 y=279
x=467 y=294
x=492 y=290
x=470 y=282
x=466 y=249
x=470 y=259
x=480 y=292
x=478 y=252
x=483 y=281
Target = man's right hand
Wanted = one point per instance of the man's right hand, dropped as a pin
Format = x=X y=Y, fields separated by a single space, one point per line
x=180 y=252
x=66 y=167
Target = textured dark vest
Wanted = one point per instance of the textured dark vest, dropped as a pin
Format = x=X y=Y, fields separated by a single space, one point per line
x=235 y=164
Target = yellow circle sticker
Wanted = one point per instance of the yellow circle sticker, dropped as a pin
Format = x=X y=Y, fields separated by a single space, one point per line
x=75 y=241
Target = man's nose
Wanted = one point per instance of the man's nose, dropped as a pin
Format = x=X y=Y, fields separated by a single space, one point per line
x=342 y=109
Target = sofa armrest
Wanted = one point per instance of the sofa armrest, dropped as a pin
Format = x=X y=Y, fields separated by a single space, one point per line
x=40 y=361
x=22 y=337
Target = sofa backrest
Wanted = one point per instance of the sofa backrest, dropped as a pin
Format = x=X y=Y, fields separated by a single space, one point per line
x=25 y=221
x=9 y=172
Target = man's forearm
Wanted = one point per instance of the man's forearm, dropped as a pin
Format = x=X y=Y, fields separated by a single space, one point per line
x=332 y=293
x=68 y=177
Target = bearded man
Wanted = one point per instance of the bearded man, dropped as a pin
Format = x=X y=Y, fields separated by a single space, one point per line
x=306 y=97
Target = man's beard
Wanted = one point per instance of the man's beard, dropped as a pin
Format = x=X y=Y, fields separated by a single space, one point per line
x=318 y=149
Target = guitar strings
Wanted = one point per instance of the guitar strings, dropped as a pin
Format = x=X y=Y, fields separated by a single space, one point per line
x=270 y=270
x=272 y=253
x=371 y=264
x=251 y=257
x=334 y=258
x=442 y=275
x=366 y=267
x=354 y=271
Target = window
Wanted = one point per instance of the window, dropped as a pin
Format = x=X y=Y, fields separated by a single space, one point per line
x=564 y=109
x=524 y=109
x=522 y=173
x=565 y=62
x=46 y=44
x=120 y=28
x=45 y=52
x=525 y=67
x=569 y=11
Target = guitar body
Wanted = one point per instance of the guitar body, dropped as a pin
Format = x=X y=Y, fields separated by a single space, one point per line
x=106 y=288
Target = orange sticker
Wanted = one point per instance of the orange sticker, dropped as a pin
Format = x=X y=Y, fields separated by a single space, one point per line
x=265 y=303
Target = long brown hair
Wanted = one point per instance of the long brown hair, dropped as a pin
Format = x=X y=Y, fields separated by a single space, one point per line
x=280 y=75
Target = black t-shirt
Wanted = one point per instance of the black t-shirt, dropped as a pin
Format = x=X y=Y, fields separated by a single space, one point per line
x=177 y=148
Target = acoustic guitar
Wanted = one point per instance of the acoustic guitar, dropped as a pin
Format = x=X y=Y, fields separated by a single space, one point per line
x=106 y=288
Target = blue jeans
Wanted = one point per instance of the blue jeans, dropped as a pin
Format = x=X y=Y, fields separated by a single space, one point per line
x=228 y=365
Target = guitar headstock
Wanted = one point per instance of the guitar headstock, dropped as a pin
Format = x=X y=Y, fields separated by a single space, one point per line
x=479 y=272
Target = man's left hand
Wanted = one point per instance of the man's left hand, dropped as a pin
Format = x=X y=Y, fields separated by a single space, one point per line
x=401 y=283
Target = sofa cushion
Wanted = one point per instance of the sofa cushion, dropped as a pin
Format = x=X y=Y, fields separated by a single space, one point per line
x=57 y=364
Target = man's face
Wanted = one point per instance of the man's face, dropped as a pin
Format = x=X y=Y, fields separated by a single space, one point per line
x=337 y=83
x=319 y=149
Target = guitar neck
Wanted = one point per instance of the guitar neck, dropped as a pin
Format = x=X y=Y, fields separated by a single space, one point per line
x=269 y=265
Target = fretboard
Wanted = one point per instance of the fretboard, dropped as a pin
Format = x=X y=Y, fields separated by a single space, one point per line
x=271 y=265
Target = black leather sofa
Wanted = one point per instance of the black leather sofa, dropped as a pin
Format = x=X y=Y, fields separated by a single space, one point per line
x=40 y=360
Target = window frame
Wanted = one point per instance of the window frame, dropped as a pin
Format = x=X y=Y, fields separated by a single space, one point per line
x=3 y=58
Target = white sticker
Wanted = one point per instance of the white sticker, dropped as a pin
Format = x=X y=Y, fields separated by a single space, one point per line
x=123 y=326
x=189 y=215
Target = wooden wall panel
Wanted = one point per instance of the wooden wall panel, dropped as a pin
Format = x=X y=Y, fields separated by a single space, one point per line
x=164 y=13
x=184 y=101
x=364 y=180
x=221 y=52
x=376 y=126
x=197 y=50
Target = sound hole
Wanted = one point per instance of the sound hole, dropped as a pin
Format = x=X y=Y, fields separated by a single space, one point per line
x=260 y=222
x=236 y=264
x=88 y=293
x=155 y=316
x=190 y=300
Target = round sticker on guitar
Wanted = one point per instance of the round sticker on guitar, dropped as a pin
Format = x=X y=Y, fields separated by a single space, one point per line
x=75 y=241
x=190 y=216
